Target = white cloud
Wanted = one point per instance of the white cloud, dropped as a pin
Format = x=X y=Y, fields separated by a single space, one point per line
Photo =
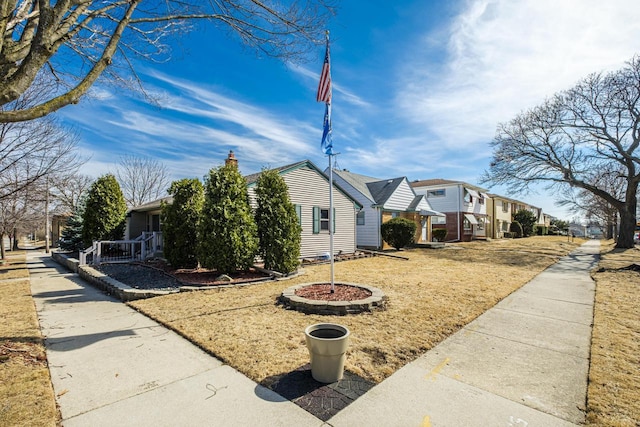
x=277 y=132
x=346 y=96
x=504 y=57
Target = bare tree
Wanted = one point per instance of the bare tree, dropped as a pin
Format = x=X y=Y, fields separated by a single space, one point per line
x=32 y=154
x=596 y=209
x=563 y=141
x=22 y=210
x=68 y=191
x=72 y=43
x=142 y=179
x=29 y=151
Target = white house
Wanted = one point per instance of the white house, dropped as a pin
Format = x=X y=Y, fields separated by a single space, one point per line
x=464 y=205
x=381 y=200
x=309 y=192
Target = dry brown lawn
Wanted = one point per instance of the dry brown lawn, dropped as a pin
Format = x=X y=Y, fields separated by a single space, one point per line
x=26 y=394
x=431 y=295
x=614 y=376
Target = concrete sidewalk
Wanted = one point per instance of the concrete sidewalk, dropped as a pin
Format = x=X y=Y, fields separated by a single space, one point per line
x=522 y=363
x=112 y=366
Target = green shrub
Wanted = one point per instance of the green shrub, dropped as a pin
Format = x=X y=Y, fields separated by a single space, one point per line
x=527 y=221
x=398 y=232
x=71 y=238
x=180 y=223
x=227 y=234
x=516 y=229
x=105 y=211
x=277 y=221
x=439 y=234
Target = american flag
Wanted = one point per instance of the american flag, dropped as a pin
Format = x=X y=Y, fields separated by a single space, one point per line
x=324 y=87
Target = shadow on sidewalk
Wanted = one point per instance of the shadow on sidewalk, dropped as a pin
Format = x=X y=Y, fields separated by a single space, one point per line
x=80 y=341
x=319 y=399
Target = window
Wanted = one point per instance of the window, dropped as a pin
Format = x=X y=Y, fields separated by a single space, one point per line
x=505 y=226
x=481 y=200
x=439 y=220
x=441 y=192
x=395 y=214
x=467 y=197
x=321 y=220
x=360 y=218
x=466 y=224
x=505 y=206
x=324 y=219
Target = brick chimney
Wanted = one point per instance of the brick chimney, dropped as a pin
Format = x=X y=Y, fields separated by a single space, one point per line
x=231 y=159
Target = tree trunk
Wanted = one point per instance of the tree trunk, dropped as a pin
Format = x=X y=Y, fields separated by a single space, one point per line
x=2 y=254
x=15 y=239
x=627 y=225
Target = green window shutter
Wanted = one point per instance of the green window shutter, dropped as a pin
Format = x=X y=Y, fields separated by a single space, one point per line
x=333 y=220
x=299 y=213
x=316 y=219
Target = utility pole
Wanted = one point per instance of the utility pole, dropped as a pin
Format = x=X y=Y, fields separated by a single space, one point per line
x=46 y=214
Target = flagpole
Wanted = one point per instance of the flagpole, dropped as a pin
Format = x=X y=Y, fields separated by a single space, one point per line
x=324 y=95
x=331 y=222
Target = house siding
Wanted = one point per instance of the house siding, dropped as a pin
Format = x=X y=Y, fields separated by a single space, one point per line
x=401 y=198
x=367 y=235
x=452 y=204
x=501 y=217
x=307 y=188
x=447 y=203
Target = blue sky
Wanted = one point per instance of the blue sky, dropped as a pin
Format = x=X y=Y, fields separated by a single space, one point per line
x=419 y=88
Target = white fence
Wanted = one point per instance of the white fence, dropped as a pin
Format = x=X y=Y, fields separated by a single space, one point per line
x=145 y=246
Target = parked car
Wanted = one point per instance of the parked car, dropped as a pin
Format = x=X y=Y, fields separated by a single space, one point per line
x=636 y=237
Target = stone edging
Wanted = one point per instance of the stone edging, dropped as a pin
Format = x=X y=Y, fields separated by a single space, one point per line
x=377 y=300
x=108 y=284
x=118 y=289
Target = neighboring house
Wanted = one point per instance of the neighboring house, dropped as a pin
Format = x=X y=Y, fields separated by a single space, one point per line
x=502 y=209
x=383 y=199
x=541 y=223
x=309 y=192
x=464 y=205
x=499 y=208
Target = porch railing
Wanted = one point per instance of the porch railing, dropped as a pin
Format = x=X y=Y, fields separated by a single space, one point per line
x=145 y=246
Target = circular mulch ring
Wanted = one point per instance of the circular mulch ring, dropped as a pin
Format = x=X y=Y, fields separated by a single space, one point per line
x=322 y=292
x=348 y=298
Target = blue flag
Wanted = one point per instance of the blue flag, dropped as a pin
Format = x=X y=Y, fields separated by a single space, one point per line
x=327 y=144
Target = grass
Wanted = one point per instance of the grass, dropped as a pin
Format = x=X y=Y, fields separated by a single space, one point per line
x=431 y=295
x=26 y=394
x=614 y=376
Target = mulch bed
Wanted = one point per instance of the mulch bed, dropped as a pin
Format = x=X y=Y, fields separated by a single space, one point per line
x=159 y=275
x=322 y=292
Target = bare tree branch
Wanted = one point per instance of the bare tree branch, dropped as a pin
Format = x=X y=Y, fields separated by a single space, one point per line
x=30 y=151
x=142 y=179
x=74 y=42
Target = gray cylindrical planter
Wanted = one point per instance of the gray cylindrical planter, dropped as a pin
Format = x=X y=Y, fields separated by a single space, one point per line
x=327 y=344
